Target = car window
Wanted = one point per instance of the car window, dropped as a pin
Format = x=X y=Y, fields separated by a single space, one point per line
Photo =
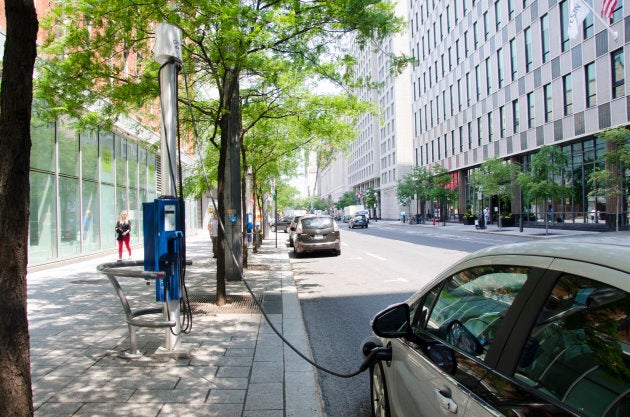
x=317 y=222
x=579 y=349
x=477 y=298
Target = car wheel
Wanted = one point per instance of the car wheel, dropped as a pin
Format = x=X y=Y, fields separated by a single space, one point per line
x=378 y=392
x=295 y=252
x=337 y=252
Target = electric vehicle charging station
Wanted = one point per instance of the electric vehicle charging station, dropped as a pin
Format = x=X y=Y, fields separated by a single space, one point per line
x=164 y=245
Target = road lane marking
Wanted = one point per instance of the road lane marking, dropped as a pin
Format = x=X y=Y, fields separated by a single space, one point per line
x=396 y=280
x=380 y=258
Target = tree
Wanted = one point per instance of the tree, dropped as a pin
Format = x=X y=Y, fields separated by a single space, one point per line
x=16 y=397
x=610 y=179
x=545 y=180
x=226 y=44
x=496 y=177
x=347 y=199
x=442 y=189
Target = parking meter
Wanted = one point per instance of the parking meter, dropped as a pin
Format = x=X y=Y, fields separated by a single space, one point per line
x=164 y=245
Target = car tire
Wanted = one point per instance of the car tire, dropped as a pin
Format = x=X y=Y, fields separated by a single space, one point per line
x=296 y=253
x=378 y=392
x=337 y=252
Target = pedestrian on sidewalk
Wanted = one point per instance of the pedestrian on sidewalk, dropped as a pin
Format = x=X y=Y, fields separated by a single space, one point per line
x=123 y=234
x=213 y=229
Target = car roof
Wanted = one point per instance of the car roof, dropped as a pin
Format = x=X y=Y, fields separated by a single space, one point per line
x=610 y=253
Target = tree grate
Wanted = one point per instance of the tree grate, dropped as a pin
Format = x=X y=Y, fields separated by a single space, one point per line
x=203 y=303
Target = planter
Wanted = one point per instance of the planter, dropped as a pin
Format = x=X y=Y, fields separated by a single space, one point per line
x=507 y=222
x=469 y=220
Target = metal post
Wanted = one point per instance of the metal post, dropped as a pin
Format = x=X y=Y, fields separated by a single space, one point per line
x=168 y=54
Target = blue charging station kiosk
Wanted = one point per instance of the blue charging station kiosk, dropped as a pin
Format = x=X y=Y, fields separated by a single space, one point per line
x=163 y=245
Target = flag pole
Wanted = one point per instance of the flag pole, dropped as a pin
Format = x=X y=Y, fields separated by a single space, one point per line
x=603 y=22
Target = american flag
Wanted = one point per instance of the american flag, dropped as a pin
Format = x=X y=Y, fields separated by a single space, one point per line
x=608 y=7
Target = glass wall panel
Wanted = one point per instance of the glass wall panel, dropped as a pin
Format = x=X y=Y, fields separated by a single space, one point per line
x=89 y=155
x=107 y=156
x=132 y=164
x=69 y=217
x=91 y=215
x=109 y=217
x=142 y=169
x=121 y=200
x=121 y=161
x=68 y=150
x=42 y=244
x=43 y=147
x=151 y=176
x=134 y=210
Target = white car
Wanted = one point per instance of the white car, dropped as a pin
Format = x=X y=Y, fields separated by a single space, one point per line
x=528 y=330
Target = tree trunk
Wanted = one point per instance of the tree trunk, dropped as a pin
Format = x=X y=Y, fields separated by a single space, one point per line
x=16 y=397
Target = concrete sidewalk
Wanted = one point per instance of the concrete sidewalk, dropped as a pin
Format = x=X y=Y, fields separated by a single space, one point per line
x=238 y=366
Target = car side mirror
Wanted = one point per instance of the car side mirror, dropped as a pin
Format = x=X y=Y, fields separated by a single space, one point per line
x=459 y=336
x=393 y=322
x=442 y=356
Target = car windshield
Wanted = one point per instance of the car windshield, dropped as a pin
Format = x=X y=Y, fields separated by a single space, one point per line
x=317 y=222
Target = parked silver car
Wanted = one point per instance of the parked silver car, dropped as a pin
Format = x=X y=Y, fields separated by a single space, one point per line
x=315 y=234
x=534 y=329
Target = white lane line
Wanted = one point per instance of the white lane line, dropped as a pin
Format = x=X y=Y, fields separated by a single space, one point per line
x=380 y=258
x=396 y=280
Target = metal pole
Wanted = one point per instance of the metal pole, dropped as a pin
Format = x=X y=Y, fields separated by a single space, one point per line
x=168 y=38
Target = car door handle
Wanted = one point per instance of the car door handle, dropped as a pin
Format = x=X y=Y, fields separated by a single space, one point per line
x=445 y=402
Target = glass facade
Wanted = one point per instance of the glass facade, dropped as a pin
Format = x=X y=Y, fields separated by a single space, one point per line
x=80 y=181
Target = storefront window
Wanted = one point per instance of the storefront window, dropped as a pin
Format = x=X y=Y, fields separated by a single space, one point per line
x=89 y=155
x=69 y=217
x=107 y=157
x=108 y=216
x=43 y=147
x=121 y=161
x=90 y=232
x=132 y=164
x=68 y=142
x=42 y=245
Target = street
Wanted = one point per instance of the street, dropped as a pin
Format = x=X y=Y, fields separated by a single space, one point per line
x=378 y=266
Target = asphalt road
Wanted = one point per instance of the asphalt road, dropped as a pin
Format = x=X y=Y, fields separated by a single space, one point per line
x=378 y=266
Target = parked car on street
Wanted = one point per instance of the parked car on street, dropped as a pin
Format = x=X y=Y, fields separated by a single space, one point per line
x=282 y=224
x=315 y=234
x=534 y=329
x=358 y=220
x=291 y=228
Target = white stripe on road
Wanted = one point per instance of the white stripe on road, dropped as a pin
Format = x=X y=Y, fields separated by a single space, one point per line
x=396 y=280
x=380 y=258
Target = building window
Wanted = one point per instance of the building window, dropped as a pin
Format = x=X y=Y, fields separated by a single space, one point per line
x=587 y=24
x=531 y=111
x=528 y=50
x=544 y=34
x=479 y=130
x=548 y=103
x=450 y=89
x=502 y=121
x=475 y=36
x=565 y=41
x=618 y=77
x=497 y=14
x=461 y=140
x=488 y=77
x=486 y=28
x=591 y=87
x=511 y=9
x=468 y=96
x=567 y=90
x=453 y=142
x=618 y=13
x=477 y=83
x=459 y=95
x=490 y=127
x=513 y=59
x=470 y=135
x=515 y=116
x=500 y=66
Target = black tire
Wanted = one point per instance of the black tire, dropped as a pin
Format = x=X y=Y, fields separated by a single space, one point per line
x=378 y=392
x=337 y=252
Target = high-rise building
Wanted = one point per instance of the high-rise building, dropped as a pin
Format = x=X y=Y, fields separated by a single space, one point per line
x=501 y=79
